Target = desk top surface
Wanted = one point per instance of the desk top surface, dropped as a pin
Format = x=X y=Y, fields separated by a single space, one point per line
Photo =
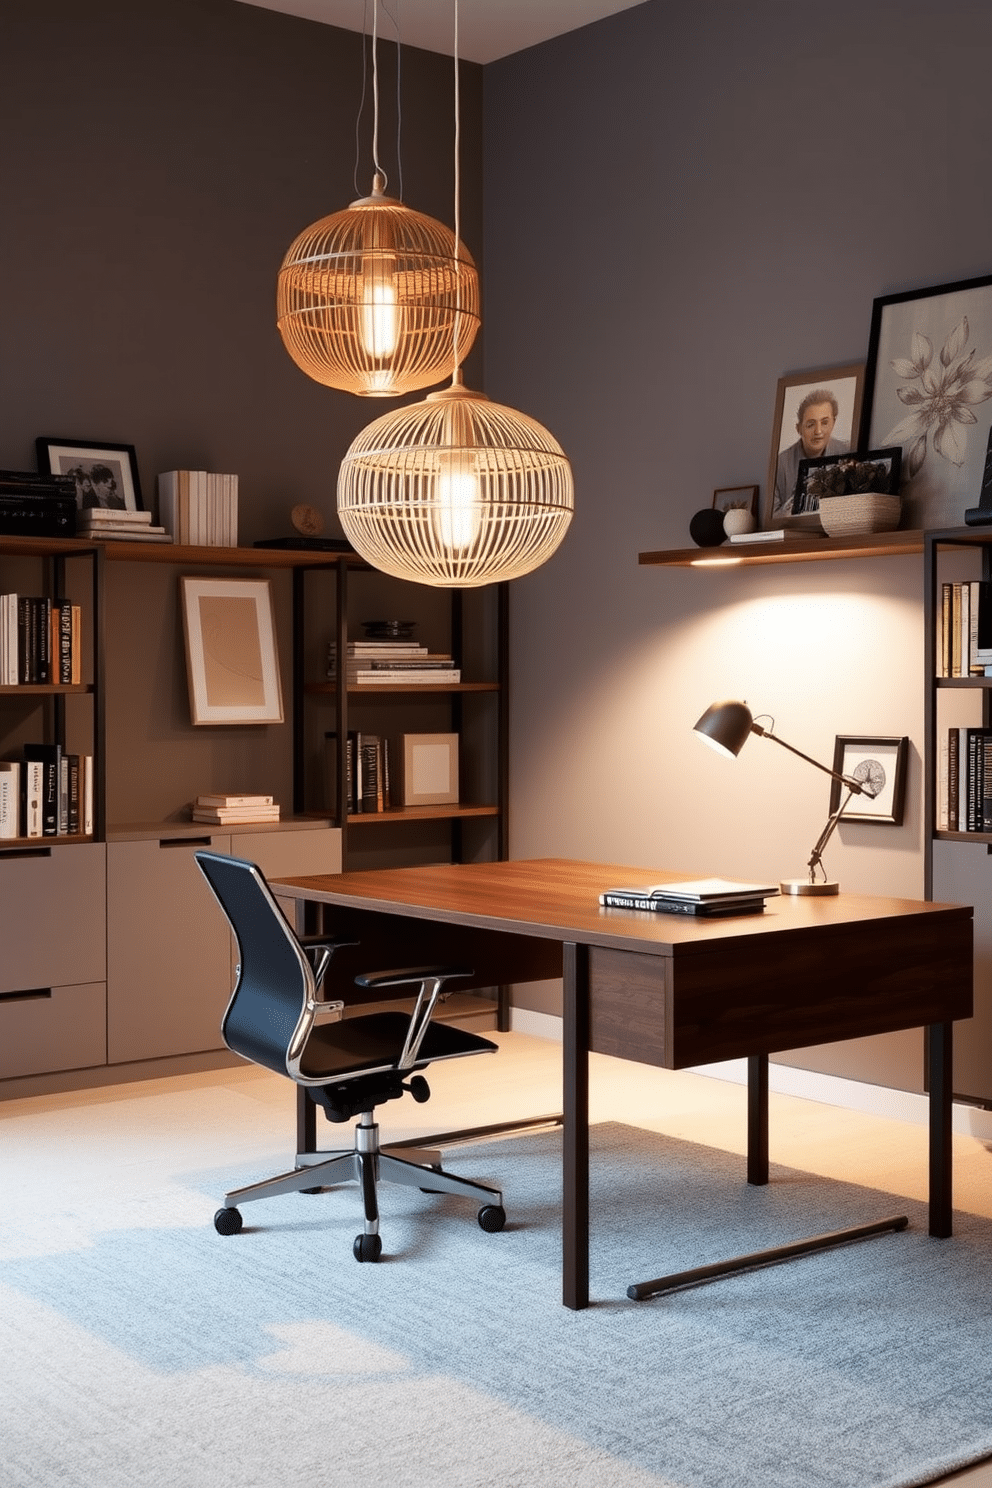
x=558 y=898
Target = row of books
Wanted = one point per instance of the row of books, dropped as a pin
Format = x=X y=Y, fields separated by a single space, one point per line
x=703 y=897
x=39 y=640
x=369 y=772
x=199 y=507
x=48 y=793
x=378 y=662
x=117 y=524
x=964 y=781
x=964 y=638
x=230 y=810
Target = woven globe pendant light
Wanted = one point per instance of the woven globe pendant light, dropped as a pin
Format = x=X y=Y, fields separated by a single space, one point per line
x=377 y=299
x=455 y=491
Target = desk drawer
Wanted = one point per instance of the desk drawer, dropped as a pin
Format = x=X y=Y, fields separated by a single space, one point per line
x=53 y=1028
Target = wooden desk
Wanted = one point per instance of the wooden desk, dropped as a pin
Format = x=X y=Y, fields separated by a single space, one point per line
x=669 y=990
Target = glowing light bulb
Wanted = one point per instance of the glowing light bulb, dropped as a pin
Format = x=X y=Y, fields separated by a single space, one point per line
x=458 y=503
x=380 y=318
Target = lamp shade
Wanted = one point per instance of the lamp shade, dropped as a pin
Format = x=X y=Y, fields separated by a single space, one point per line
x=726 y=726
x=455 y=491
x=378 y=299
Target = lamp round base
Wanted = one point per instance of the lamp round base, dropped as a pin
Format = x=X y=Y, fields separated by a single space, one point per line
x=803 y=886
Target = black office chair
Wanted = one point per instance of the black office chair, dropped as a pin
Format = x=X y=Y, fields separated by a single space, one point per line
x=347 y=1065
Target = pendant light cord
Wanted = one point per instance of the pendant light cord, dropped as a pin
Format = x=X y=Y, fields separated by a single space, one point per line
x=457 y=370
x=394 y=17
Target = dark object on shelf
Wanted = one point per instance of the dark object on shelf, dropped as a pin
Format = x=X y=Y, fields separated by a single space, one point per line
x=706 y=528
x=311 y=544
x=34 y=505
x=981 y=515
x=389 y=630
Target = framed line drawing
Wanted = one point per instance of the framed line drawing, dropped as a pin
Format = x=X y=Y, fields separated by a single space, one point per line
x=816 y=414
x=232 y=661
x=881 y=764
x=928 y=388
x=106 y=474
x=729 y=498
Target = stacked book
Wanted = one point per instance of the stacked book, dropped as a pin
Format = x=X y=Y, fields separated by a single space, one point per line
x=368 y=771
x=199 y=508
x=964 y=635
x=116 y=523
x=226 y=810
x=39 y=640
x=705 y=897
x=964 y=781
x=48 y=793
x=373 y=663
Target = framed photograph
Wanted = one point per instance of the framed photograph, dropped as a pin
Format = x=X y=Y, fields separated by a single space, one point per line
x=728 y=498
x=232 y=661
x=881 y=765
x=928 y=388
x=428 y=769
x=846 y=475
x=105 y=474
x=816 y=414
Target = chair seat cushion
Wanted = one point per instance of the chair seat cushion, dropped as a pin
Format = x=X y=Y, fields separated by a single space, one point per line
x=360 y=1045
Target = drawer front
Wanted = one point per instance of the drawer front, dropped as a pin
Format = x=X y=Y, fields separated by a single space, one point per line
x=52 y=917
x=280 y=854
x=53 y=1028
x=169 y=951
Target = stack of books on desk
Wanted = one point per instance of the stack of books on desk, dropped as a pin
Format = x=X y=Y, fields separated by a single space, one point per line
x=113 y=522
x=226 y=811
x=698 y=896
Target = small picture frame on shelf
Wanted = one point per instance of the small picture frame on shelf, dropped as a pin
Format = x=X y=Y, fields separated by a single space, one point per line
x=846 y=475
x=232 y=661
x=737 y=498
x=428 y=769
x=816 y=414
x=880 y=763
x=106 y=474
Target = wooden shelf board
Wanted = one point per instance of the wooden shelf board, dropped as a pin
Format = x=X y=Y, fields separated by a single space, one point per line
x=384 y=689
x=186 y=829
x=149 y=552
x=44 y=689
x=976 y=837
x=64 y=839
x=791 y=550
x=964 y=682
x=417 y=813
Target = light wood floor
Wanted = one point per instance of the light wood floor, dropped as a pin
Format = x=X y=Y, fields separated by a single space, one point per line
x=524 y=1080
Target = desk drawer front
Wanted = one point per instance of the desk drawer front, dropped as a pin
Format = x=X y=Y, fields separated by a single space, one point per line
x=52 y=1028
x=630 y=1006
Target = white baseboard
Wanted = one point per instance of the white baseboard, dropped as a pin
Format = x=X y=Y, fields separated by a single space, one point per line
x=784 y=1079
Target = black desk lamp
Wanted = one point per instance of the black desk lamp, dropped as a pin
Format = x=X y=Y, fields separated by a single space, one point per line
x=727 y=727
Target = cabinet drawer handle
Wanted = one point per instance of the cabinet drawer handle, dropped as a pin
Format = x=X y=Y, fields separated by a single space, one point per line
x=184 y=842
x=33 y=994
x=26 y=852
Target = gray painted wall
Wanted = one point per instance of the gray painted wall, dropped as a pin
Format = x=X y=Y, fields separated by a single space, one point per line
x=683 y=203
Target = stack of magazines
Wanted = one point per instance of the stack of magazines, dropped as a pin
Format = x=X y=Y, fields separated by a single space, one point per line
x=706 y=897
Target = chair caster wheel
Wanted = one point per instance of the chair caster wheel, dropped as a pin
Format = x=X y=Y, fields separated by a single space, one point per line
x=228 y=1222
x=367 y=1247
x=311 y=1190
x=492 y=1218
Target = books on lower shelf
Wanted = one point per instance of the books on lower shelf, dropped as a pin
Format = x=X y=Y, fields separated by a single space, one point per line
x=199 y=507
x=964 y=631
x=368 y=769
x=964 y=781
x=39 y=640
x=234 y=810
x=700 y=896
x=371 y=663
x=48 y=793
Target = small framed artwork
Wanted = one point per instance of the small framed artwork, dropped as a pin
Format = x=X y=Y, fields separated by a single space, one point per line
x=105 y=474
x=816 y=414
x=880 y=765
x=846 y=475
x=232 y=662
x=928 y=388
x=734 y=498
x=428 y=769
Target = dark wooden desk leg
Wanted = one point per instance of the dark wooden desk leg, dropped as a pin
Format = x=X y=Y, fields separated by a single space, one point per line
x=306 y=1122
x=939 y=1080
x=575 y=1138
x=757 y=1118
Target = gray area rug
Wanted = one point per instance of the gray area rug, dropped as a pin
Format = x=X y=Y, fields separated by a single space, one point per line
x=174 y=1358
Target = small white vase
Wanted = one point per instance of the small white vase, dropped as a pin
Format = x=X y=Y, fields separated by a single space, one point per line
x=737 y=520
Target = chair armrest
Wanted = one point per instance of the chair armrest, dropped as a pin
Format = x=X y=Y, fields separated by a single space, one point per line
x=374 y=980
x=430 y=981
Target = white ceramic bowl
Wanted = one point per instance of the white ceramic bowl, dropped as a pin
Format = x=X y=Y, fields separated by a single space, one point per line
x=849 y=516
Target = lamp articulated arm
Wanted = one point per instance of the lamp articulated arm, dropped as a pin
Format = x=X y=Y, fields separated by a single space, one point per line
x=855 y=787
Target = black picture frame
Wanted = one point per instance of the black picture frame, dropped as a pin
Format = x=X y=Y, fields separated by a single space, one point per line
x=928 y=388
x=855 y=752
x=807 y=501
x=115 y=464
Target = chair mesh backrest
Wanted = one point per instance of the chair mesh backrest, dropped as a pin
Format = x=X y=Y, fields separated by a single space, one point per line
x=275 y=981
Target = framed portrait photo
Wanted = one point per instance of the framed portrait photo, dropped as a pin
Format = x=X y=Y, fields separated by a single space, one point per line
x=105 y=474
x=928 y=388
x=816 y=414
x=880 y=764
x=232 y=661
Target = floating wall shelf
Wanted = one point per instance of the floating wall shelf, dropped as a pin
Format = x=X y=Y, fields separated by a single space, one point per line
x=792 y=549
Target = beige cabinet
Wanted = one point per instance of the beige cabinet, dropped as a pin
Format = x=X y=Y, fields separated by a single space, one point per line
x=53 y=1001
x=170 y=955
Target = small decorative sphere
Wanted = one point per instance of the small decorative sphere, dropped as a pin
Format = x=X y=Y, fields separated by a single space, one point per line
x=706 y=528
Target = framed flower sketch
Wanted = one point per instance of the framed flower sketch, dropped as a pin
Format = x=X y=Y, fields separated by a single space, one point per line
x=232 y=662
x=816 y=413
x=928 y=388
x=729 y=498
x=880 y=764
x=105 y=474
